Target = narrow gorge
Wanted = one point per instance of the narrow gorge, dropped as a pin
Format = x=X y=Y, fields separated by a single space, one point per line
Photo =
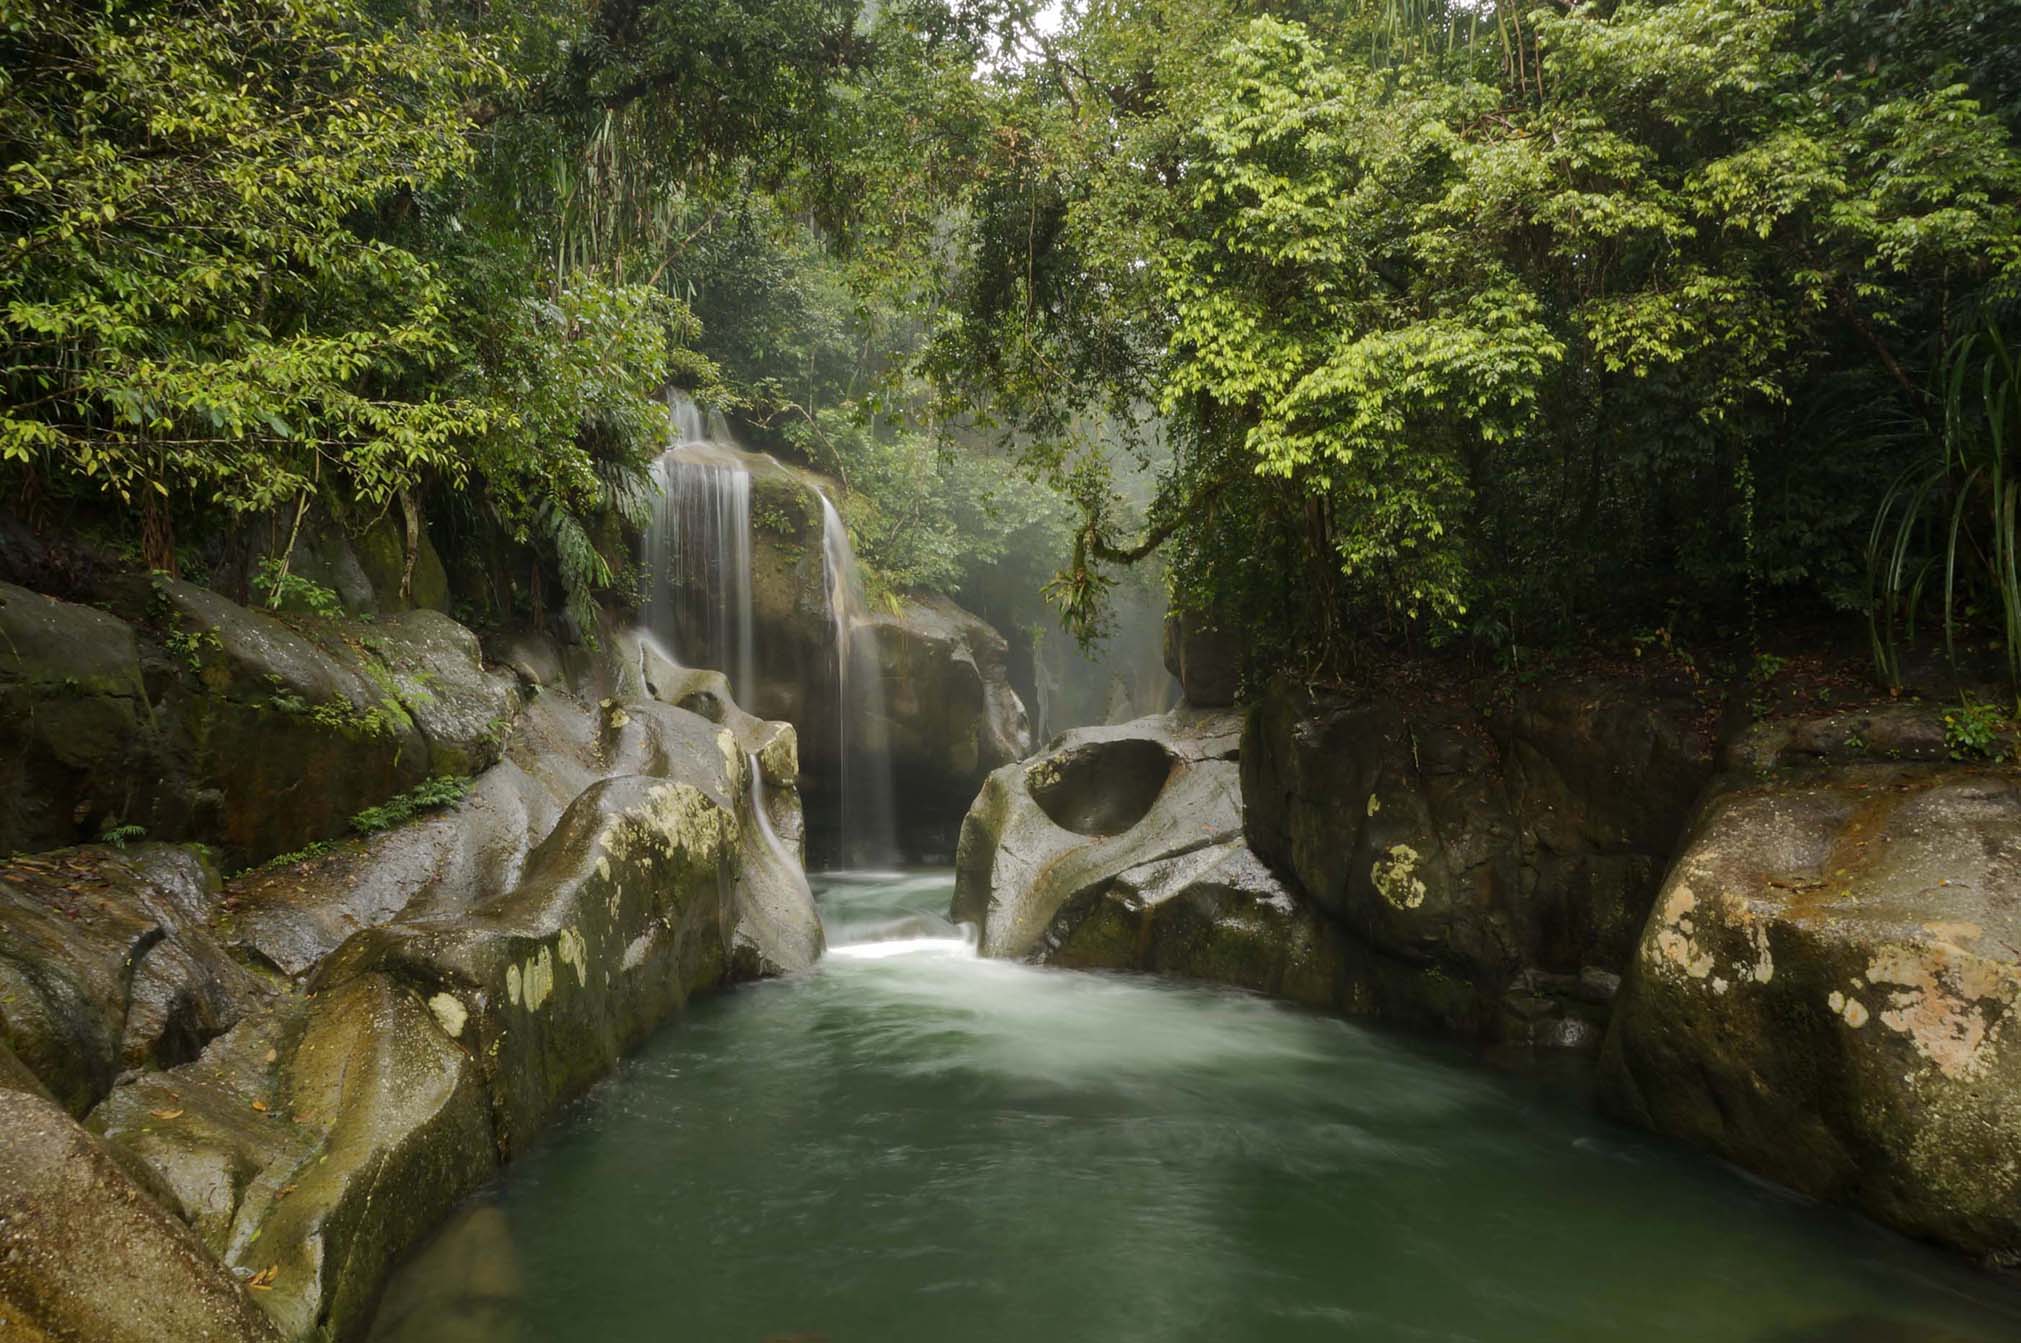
x=1016 y=671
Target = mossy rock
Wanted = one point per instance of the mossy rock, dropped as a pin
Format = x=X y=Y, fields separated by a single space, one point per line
x=1828 y=992
x=108 y=963
x=382 y=553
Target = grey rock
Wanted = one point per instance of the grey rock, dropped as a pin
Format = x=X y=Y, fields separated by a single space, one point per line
x=73 y=716
x=108 y=963
x=1827 y=990
x=1096 y=803
x=87 y=1256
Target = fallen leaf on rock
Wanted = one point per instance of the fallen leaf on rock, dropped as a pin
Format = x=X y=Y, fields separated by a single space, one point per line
x=166 y=1114
x=273 y=1054
x=261 y=1106
x=264 y=1279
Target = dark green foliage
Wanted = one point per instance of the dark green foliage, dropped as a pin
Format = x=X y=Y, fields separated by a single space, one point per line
x=428 y=795
x=1516 y=330
x=1947 y=528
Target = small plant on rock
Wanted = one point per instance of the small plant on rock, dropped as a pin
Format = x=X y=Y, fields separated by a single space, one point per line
x=1976 y=731
x=119 y=834
x=282 y=588
x=425 y=796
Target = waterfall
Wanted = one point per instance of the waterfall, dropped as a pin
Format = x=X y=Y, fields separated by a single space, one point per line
x=698 y=550
x=699 y=607
x=869 y=828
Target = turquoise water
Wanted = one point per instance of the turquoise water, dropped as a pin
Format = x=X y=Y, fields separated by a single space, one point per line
x=911 y=1145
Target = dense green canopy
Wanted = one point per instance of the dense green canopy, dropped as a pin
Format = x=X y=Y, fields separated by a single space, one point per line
x=1502 y=322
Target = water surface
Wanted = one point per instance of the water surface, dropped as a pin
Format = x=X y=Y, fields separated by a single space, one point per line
x=911 y=1145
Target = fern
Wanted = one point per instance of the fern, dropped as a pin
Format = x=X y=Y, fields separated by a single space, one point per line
x=629 y=489
x=582 y=568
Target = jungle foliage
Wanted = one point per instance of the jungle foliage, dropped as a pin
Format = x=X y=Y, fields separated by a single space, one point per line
x=1490 y=321
x=1501 y=321
x=266 y=254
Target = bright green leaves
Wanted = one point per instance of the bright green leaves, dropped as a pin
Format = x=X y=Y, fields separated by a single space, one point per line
x=1630 y=306
x=1318 y=297
x=187 y=307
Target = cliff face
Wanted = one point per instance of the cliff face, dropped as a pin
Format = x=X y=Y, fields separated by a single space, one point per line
x=505 y=867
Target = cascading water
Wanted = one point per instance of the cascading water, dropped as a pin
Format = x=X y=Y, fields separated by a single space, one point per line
x=699 y=607
x=698 y=550
x=869 y=830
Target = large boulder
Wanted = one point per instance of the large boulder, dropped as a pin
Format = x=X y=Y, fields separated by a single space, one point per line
x=1499 y=865
x=108 y=963
x=313 y=1145
x=1827 y=993
x=952 y=716
x=310 y=1064
x=1121 y=848
x=88 y=1256
x=463 y=977
x=625 y=911
x=74 y=723
x=198 y=718
x=1215 y=914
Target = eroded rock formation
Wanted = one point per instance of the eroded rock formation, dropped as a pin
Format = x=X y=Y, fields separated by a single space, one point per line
x=1827 y=993
x=1122 y=847
x=288 y=1077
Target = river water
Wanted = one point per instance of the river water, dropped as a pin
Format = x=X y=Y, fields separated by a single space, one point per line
x=913 y=1145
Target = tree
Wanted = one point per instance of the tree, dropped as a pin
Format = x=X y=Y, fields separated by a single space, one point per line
x=188 y=313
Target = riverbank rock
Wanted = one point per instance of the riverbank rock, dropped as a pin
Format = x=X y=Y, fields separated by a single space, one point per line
x=75 y=722
x=1215 y=914
x=310 y=1147
x=1497 y=867
x=87 y=1255
x=108 y=963
x=1121 y=848
x=952 y=716
x=1827 y=993
x=309 y=1064
x=316 y=1140
x=189 y=716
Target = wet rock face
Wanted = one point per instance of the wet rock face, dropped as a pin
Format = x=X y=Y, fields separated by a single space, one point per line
x=108 y=963
x=1215 y=914
x=205 y=719
x=1101 y=788
x=73 y=714
x=87 y=1254
x=1827 y=989
x=1121 y=848
x=1097 y=803
x=952 y=714
x=309 y=1147
x=1488 y=863
x=311 y=1064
